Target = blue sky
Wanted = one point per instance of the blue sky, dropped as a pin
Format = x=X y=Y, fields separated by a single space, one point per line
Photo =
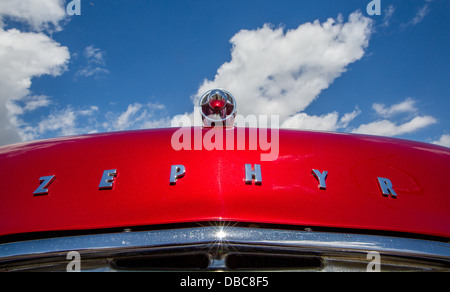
x=124 y=65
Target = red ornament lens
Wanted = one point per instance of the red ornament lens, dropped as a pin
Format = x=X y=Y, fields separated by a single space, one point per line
x=216 y=104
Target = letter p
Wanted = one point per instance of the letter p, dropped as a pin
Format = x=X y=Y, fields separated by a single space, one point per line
x=176 y=172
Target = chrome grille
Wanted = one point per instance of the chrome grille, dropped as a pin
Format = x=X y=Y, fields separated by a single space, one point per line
x=226 y=249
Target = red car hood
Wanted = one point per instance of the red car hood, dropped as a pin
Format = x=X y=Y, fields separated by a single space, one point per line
x=213 y=186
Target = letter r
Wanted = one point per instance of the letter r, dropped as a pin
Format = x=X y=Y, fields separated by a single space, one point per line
x=386 y=187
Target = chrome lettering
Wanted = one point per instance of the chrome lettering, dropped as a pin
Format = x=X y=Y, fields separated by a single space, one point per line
x=321 y=177
x=45 y=182
x=107 y=181
x=176 y=172
x=251 y=174
x=386 y=187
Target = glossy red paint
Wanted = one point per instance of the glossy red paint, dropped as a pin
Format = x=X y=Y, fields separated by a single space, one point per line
x=213 y=186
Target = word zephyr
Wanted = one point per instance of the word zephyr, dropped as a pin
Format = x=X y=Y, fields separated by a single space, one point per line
x=253 y=174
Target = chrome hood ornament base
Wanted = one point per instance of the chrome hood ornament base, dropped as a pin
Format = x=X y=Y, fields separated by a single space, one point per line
x=218 y=108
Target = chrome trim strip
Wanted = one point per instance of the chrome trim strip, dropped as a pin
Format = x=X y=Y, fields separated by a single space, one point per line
x=299 y=240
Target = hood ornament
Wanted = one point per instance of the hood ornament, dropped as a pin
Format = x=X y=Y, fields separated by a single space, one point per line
x=218 y=108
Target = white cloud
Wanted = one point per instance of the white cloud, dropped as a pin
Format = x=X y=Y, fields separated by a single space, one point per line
x=30 y=103
x=95 y=63
x=24 y=56
x=386 y=127
x=420 y=14
x=348 y=117
x=271 y=71
x=274 y=72
x=388 y=13
x=304 y=121
x=63 y=122
x=124 y=120
x=443 y=141
x=38 y=14
x=16 y=110
x=327 y=122
x=34 y=102
x=138 y=116
x=94 y=55
x=389 y=128
x=75 y=121
x=297 y=66
x=27 y=55
x=406 y=106
x=91 y=71
x=282 y=73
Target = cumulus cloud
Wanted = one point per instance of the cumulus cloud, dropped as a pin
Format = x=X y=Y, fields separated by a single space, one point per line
x=327 y=122
x=278 y=72
x=39 y=15
x=23 y=56
x=443 y=141
x=27 y=55
x=386 y=127
x=282 y=73
x=31 y=54
x=304 y=121
x=272 y=71
x=389 y=128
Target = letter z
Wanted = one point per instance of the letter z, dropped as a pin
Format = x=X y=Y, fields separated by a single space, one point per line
x=43 y=187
